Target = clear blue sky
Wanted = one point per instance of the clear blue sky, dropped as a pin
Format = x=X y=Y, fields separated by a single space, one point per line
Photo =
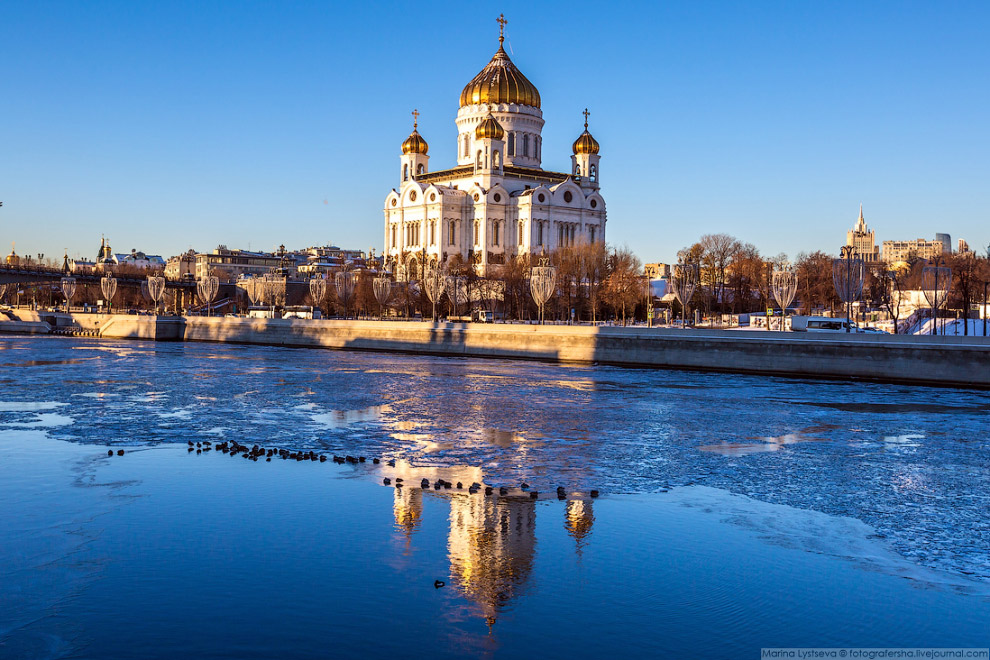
x=169 y=125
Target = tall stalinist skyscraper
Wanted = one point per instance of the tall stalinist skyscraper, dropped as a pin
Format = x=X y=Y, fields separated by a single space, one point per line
x=862 y=240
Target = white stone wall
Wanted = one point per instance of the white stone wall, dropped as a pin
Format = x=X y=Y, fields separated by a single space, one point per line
x=568 y=215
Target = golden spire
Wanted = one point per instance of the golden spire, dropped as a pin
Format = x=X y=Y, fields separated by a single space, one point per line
x=501 y=28
x=586 y=113
x=415 y=114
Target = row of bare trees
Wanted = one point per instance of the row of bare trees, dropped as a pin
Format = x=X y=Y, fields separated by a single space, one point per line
x=735 y=278
x=593 y=283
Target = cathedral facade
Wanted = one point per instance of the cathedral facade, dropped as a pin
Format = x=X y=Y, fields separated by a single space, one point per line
x=498 y=201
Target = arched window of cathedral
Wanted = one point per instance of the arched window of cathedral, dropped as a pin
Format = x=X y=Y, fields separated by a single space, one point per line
x=526 y=144
x=433 y=231
x=477 y=232
x=479 y=162
x=450 y=234
x=591 y=235
x=405 y=172
x=467 y=145
x=539 y=234
x=393 y=235
x=510 y=145
x=594 y=173
x=495 y=233
x=539 y=146
x=577 y=169
x=519 y=238
x=420 y=169
x=496 y=160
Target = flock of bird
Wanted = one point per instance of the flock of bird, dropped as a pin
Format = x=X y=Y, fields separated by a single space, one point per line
x=256 y=452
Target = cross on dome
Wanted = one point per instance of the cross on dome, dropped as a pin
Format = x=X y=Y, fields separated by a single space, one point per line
x=415 y=114
x=586 y=113
x=501 y=27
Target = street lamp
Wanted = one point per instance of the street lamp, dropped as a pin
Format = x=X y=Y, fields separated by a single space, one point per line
x=649 y=301
x=68 y=290
x=985 y=285
x=156 y=290
x=936 y=278
x=784 y=288
x=383 y=289
x=343 y=282
x=207 y=288
x=685 y=280
x=433 y=285
x=847 y=276
x=542 y=283
x=109 y=287
x=317 y=290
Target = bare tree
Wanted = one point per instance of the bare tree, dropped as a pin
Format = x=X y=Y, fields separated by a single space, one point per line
x=718 y=251
x=815 y=286
x=893 y=281
x=968 y=276
x=623 y=285
x=745 y=277
x=594 y=266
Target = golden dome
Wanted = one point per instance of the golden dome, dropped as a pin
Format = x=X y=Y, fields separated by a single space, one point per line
x=585 y=144
x=415 y=144
x=12 y=258
x=489 y=128
x=500 y=82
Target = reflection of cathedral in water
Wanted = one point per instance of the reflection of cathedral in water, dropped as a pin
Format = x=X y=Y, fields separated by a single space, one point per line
x=408 y=510
x=579 y=520
x=492 y=544
x=492 y=540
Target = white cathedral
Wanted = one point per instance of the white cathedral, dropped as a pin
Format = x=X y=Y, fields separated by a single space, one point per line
x=498 y=201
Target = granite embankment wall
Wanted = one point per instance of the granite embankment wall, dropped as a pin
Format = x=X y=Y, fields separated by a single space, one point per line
x=955 y=361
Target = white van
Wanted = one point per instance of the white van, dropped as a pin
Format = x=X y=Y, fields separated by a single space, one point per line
x=821 y=324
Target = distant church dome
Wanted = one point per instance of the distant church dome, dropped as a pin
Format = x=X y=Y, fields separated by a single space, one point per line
x=12 y=258
x=489 y=128
x=500 y=82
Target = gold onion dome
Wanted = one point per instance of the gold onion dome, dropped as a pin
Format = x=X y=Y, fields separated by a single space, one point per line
x=415 y=144
x=585 y=144
x=500 y=81
x=489 y=128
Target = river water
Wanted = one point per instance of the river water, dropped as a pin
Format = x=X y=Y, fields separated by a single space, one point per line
x=735 y=513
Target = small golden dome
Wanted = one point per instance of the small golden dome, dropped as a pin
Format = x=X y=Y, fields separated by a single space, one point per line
x=585 y=144
x=500 y=82
x=415 y=144
x=489 y=128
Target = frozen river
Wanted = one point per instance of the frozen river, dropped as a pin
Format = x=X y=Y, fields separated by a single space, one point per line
x=724 y=497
